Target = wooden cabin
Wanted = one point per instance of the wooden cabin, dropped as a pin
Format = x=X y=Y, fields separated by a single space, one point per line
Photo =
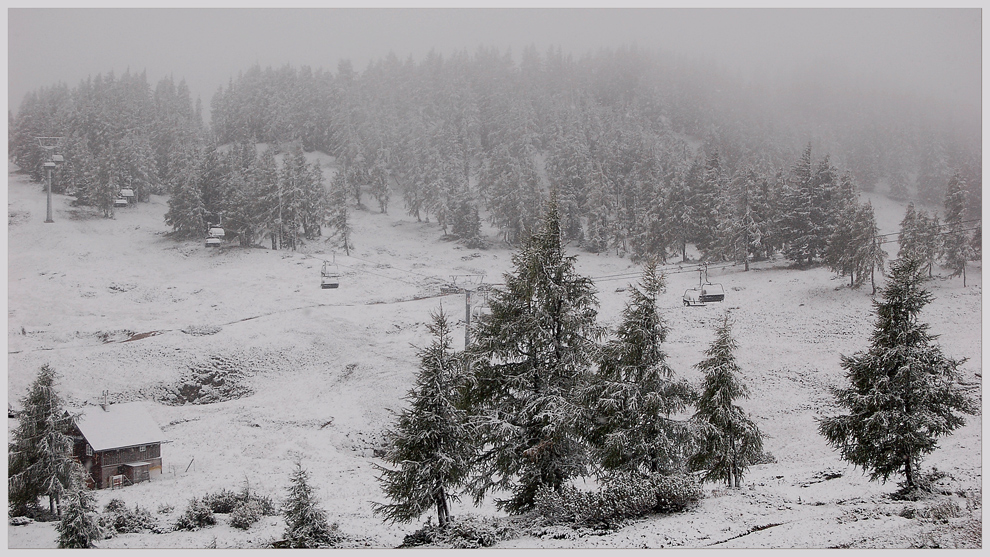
x=118 y=444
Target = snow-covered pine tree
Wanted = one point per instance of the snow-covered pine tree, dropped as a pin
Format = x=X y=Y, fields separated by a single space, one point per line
x=212 y=175
x=378 y=176
x=39 y=456
x=933 y=169
x=600 y=213
x=431 y=447
x=680 y=216
x=295 y=181
x=976 y=242
x=339 y=216
x=266 y=186
x=737 y=231
x=841 y=247
x=314 y=212
x=919 y=237
x=306 y=524
x=79 y=525
x=956 y=249
x=902 y=394
x=907 y=239
x=185 y=206
x=930 y=239
x=805 y=208
x=569 y=169
x=528 y=357
x=629 y=402
x=728 y=441
x=869 y=255
x=705 y=204
x=466 y=223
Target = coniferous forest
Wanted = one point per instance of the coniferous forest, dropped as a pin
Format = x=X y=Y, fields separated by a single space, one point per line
x=649 y=152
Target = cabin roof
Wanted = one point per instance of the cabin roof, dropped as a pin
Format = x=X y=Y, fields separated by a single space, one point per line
x=120 y=425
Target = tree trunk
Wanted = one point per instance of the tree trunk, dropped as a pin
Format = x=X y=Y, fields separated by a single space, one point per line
x=443 y=512
x=964 y=274
x=909 y=473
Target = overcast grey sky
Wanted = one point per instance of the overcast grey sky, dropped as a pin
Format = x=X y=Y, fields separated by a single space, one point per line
x=927 y=50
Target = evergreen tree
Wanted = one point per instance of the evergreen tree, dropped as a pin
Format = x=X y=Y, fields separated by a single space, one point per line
x=853 y=247
x=956 y=245
x=431 y=445
x=185 y=206
x=729 y=441
x=630 y=401
x=466 y=221
x=315 y=210
x=79 y=526
x=869 y=254
x=339 y=218
x=267 y=187
x=976 y=242
x=902 y=394
x=919 y=237
x=704 y=205
x=294 y=181
x=529 y=356
x=39 y=457
x=806 y=211
x=305 y=521
x=378 y=175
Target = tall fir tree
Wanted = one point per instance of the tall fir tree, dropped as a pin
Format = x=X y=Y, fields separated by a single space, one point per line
x=956 y=244
x=919 y=237
x=528 y=358
x=729 y=441
x=805 y=212
x=39 y=456
x=629 y=402
x=432 y=445
x=186 y=213
x=379 y=177
x=339 y=215
x=902 y=394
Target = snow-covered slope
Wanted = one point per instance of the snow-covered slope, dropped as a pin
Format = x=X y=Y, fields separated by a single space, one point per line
x=314 y=374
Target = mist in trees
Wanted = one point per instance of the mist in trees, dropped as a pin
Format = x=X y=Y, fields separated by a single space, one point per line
x=646 y=153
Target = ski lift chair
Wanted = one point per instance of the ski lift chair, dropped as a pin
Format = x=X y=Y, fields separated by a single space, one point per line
x=213 y=242
x=329 y=277
x=705 y=292
x=712 y=293
x=120 y=202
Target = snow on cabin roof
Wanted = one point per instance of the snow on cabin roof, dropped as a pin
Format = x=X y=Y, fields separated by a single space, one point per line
x=120 y=425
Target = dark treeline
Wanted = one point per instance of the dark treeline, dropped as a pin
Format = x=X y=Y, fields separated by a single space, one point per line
x=117 y=133
x=649 y=152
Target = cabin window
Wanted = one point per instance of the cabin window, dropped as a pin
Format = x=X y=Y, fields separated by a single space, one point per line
x=143 y=448
x=89 y=450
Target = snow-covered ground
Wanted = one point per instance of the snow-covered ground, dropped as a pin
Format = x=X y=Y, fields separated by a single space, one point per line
x=117 y=305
